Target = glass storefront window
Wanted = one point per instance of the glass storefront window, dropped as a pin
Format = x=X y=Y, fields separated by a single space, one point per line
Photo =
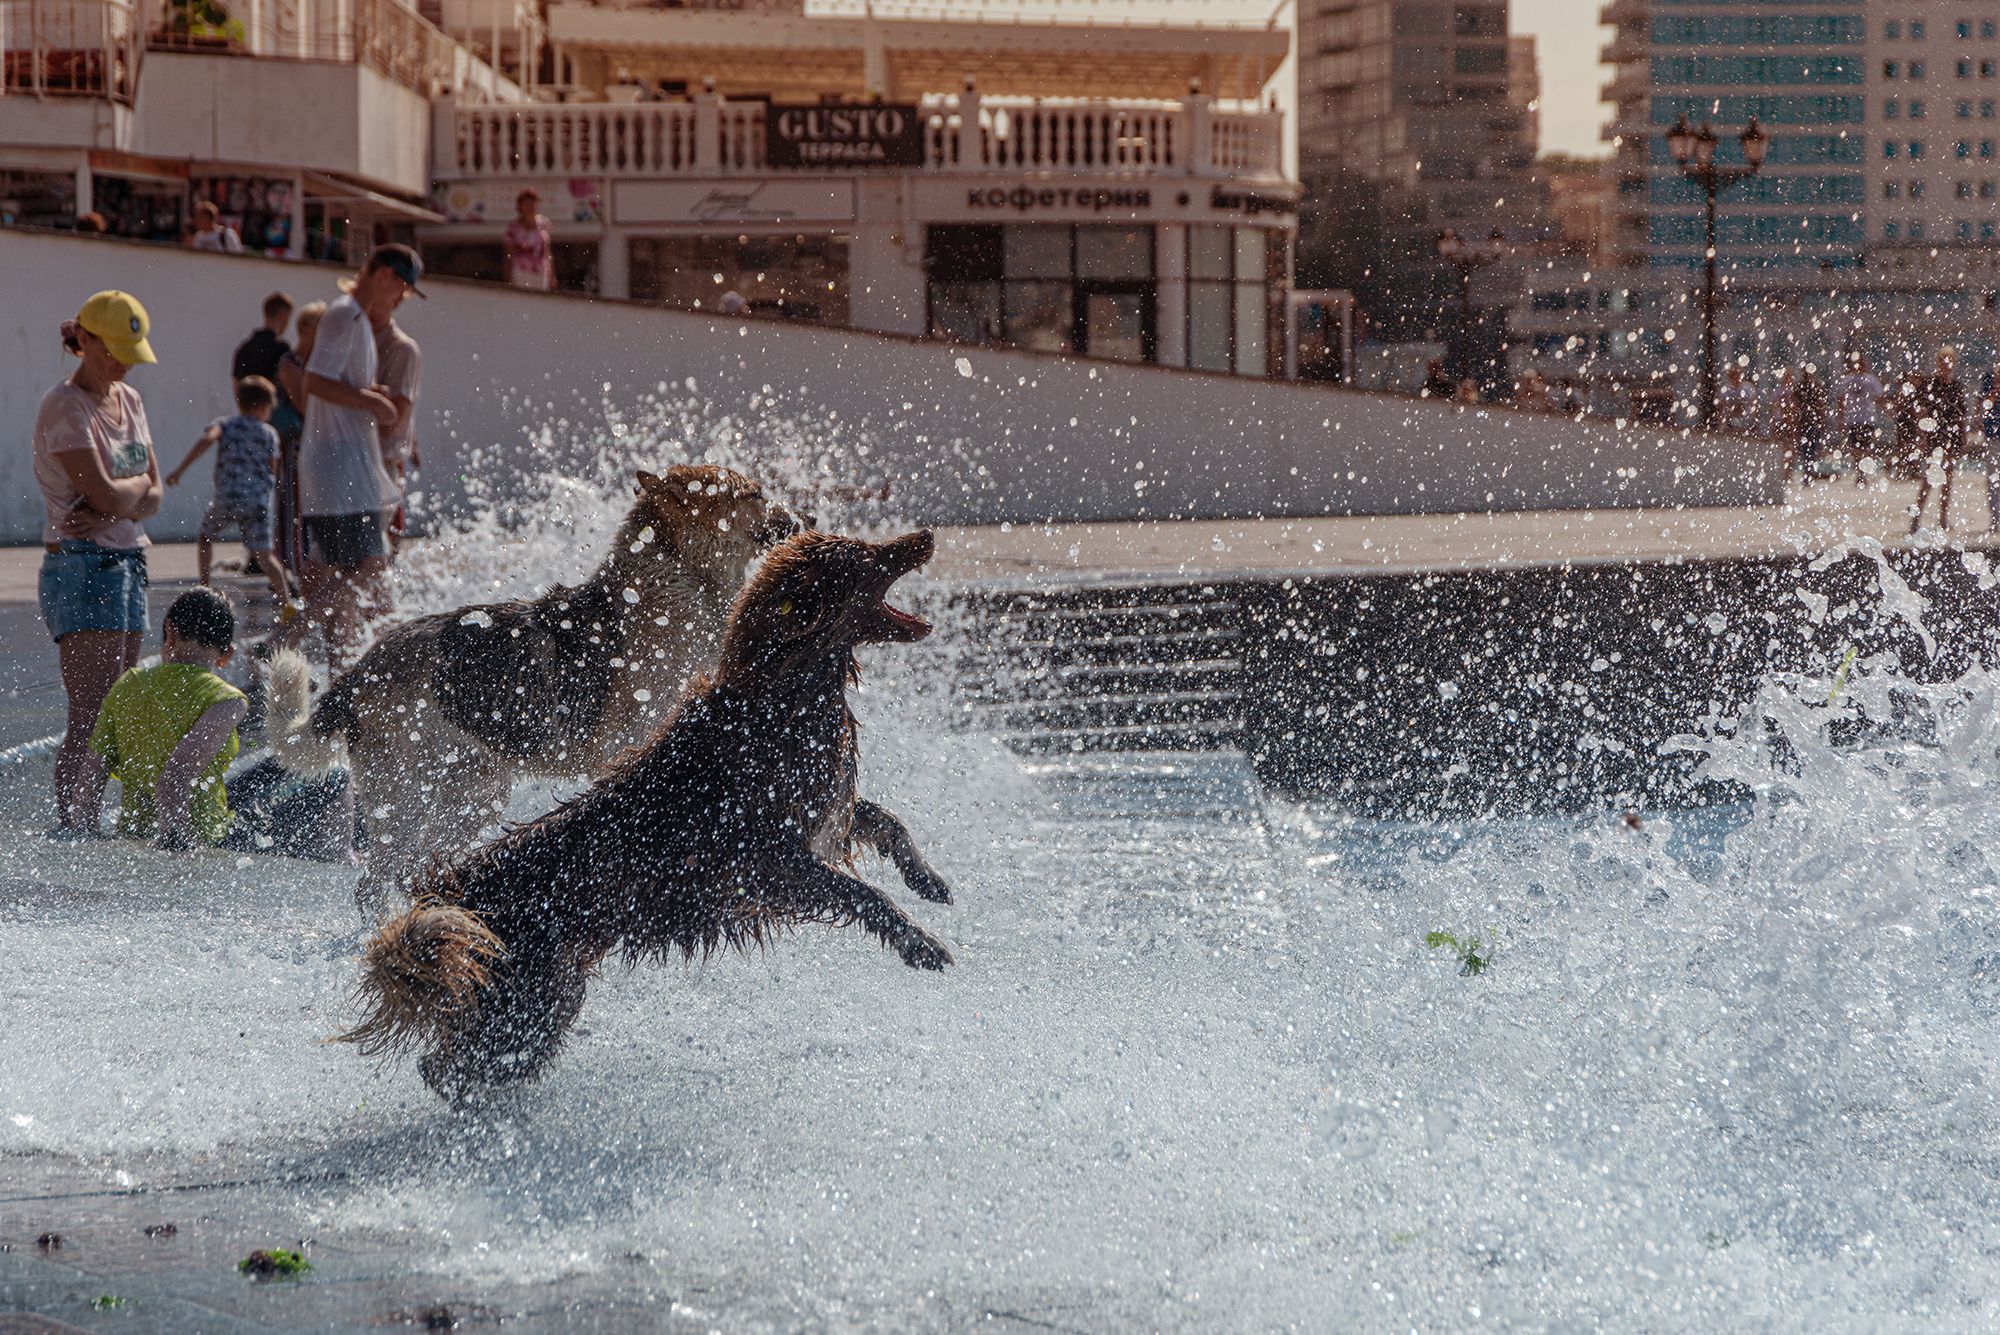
x=1114 y=253
x=965 y=312
x=1229 y=277
x=1208 y=252
x=1209 y=326
x=794 y=276
x=1045 y=286
x=1040 y=316
x=1036 y=252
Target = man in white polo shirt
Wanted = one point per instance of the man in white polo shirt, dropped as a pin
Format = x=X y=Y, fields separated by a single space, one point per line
x=343 y=488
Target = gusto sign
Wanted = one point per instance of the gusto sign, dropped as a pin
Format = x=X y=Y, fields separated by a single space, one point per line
x=830 y=135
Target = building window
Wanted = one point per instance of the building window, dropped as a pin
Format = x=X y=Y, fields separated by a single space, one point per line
x=1916 y=69
x=1965 y=190
x=1916 y=109
x=1888 y=148
x=1890 y=69
x=1964 y=231
x=1986 y=109
x=1890 y=190
x=1916 y=148
x=1986 y=231
x=1892 y=231
x=1987 y=29
x=1916 y=231
x=1962 y=149
x=1045 y=286
x=1985 y=69
x=798 y=277
x=1228 y=325
x=1986 y=190
x=1986 y=148
x=1889 y=109
x=1892 y=30
x=1963 y=69
x=1916 y=30
x=1964 y=110
x=1916 y=190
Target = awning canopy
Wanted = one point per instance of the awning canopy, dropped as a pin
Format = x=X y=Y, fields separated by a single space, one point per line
x=326 y=189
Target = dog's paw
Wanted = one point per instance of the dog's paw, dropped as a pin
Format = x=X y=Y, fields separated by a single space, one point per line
x=927 y=884
x=923 y=951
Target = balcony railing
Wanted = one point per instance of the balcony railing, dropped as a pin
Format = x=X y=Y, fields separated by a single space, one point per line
x=708 y=136
x=92 y=48
x=71 y=48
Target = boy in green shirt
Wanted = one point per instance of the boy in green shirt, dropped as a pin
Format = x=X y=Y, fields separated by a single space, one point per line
x=168 y=732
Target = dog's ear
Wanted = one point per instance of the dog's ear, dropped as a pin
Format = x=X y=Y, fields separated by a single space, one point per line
x=650 y=483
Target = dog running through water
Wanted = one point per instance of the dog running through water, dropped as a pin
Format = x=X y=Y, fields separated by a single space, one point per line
x=444 y=713
x=733 y=823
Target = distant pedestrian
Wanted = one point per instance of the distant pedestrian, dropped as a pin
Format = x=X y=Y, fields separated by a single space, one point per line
x=246 y=476
x=1989 y=431
x=1531 y=393
x=1943 y=420
x=211 y=233
x=1860 y=393
x=1468 y=391
x=264 y=351
x=1810 y=410
x=99 y=482
x=530 y=246
x=343 y=488
x=1736 y=404
x=1437 y=385
x=732 y=303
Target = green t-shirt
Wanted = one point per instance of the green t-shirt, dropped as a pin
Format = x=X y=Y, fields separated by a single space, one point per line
x=144 y=718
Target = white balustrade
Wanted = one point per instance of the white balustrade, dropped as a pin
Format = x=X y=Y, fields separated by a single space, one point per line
x=708 y=135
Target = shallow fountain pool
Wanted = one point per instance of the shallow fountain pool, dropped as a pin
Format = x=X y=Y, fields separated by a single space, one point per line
x=1203 y=1063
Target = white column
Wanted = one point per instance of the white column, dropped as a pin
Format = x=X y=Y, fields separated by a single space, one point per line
x=614 y=265
x=708 y=128
x=1170 y=311
x=1195 y=115
x=297 y=249
x=86 y=194
x=971 y=151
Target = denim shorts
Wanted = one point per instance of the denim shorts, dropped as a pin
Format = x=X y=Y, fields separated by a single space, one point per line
x=88 y=587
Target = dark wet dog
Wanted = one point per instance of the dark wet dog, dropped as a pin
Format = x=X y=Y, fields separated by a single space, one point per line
x=734 y=822
x=445 y=712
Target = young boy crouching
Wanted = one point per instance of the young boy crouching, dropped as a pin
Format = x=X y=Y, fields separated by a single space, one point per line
x=167 y=733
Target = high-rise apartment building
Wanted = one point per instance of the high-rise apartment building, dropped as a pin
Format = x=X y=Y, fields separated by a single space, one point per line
x=1408 y=125
x=1884 y=118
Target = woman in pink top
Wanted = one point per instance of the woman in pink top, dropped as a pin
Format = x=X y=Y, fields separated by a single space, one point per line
x=99 y=482
x=529 y=262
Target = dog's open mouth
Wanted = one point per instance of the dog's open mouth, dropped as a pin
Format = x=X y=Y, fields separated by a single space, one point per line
x=897 y=559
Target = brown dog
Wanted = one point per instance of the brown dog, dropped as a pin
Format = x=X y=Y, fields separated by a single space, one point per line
x=723 y=830
x=444 y=713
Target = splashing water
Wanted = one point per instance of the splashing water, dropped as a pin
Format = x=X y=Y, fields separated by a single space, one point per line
x=1196 y=1066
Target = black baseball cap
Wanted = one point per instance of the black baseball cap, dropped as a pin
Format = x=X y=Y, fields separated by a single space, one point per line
x=401 y=261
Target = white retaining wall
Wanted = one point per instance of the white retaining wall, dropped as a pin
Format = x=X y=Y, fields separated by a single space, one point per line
x=953 y=436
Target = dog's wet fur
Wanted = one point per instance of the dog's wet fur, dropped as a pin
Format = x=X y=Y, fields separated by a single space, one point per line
x=735 y=821
x=444 y=713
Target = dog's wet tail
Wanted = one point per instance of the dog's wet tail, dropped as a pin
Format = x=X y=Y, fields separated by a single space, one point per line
x=297 y=741
x=420 y=976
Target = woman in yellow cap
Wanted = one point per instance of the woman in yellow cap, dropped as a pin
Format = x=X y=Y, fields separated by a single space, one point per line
x=100 y=483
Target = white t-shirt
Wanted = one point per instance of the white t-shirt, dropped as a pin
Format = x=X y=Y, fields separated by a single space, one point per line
x=1858 y=392
x=340 y=453
x=223 y=240
x=71 y=420
x=400 y=365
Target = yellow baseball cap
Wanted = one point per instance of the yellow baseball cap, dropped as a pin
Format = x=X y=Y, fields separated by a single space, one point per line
x=119 y=319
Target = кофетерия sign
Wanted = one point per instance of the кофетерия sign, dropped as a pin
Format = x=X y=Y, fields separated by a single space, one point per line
x=876 y=135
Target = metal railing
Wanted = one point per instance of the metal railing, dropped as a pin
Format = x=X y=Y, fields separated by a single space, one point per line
x=71 y=48
x=708 y=136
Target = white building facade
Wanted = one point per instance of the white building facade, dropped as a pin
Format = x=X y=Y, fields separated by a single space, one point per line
x=1115 y=192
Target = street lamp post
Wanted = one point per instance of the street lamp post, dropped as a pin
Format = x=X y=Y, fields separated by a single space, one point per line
x=1694 y=150
x=1465 y=257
